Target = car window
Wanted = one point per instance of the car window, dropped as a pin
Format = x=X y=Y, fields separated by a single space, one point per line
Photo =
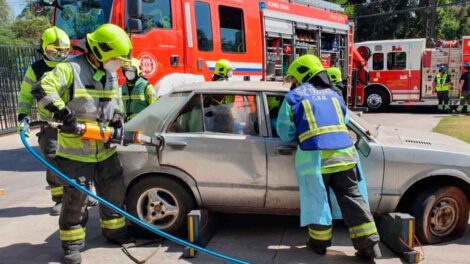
x=230 y=114
x=274 y=103
x=189 y=119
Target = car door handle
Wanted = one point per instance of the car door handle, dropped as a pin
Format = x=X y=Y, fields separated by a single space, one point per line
x=177 y=144
x=286 y=150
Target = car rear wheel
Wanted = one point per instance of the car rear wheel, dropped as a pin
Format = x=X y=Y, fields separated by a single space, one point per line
x=441 y=214
x=161 y=202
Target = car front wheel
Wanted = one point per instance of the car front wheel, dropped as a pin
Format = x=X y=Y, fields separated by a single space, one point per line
x=441 y=214
x=161 y=202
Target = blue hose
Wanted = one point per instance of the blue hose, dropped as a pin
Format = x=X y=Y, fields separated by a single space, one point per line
x=122 y=212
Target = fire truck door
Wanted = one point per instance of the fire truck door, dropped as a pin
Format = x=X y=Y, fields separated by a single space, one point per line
x=158 y=46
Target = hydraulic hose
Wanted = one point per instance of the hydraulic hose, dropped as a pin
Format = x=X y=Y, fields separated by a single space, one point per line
x=122 y=212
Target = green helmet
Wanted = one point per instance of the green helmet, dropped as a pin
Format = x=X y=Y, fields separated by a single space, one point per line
x=55 y=44
x=273 y=102
x=222 y=67
x=109 y=41
x=305 y=68
x=334 y=74
x=133 y=65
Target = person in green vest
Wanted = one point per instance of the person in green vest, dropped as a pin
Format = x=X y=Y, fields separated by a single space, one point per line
x=137 y=92
x=441 y=86
x=55 y=48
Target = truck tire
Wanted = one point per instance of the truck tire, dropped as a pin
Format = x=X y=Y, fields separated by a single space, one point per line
x=376 y=99
x=441 y=214
x=160 y=201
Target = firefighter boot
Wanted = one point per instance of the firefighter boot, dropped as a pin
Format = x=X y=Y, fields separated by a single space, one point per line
x=72 y=257
x=369 y=252
x=55 y=210
x=319 y=249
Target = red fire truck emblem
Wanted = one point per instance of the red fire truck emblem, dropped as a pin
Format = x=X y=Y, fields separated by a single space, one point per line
x=149 y=64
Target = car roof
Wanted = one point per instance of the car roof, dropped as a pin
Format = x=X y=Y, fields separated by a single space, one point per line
x=248 y=86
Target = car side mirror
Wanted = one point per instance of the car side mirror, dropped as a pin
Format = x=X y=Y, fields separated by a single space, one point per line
x=363 y=147
x=134 y=25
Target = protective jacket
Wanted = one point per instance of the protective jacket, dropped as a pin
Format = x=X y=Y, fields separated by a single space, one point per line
x=441 y=80
x=137 y=96
x=25 y=98
x=73 y=84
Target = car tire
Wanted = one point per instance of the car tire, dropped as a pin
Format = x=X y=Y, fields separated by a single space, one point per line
x=441 y=214
x=376 y=99
x=152 y=197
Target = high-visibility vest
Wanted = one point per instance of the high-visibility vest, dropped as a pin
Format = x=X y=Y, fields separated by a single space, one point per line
x=441 y=82
x=135 y=101
x=319 y=117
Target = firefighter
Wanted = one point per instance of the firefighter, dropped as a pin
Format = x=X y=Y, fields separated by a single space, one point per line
x=85 y=89
x=441 y=86
x=223 y=70
x=55 y=46
x=336 y=79
x=137 y=92
x=465 y=90
x=315 y=116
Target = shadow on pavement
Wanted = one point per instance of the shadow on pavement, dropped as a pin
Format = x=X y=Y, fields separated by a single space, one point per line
x=23 y=211
x=47 y=252
x=19 y=160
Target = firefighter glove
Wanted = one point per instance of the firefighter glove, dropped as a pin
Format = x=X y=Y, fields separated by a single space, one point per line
x=69 y=121
x=23 y=124
x=117 y=121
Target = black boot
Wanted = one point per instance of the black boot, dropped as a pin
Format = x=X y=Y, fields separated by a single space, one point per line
x=320 y=250
x=55 y=210
x=72 y=257
x=369 y=252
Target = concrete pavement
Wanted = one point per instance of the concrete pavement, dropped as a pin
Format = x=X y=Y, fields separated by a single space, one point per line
x=30 y=235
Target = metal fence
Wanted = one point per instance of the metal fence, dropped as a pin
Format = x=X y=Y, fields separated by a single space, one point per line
x=14 y=61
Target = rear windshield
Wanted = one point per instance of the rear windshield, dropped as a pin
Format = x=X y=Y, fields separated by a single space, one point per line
x=152 y=119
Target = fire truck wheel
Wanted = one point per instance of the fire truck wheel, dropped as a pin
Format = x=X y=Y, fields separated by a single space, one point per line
x=441 y=214
x=376 y=99
x=160 y=201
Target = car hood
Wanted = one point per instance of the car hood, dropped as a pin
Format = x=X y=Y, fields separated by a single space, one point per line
x=419 y=139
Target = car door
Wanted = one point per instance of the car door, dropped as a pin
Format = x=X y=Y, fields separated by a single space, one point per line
x=216 y=140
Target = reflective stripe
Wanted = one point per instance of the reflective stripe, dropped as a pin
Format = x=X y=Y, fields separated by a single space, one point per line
x=57 y=191
x=366 y=229
x=28 y=80
x=125 y=97
x=339 y=157
x=117 y=223
x=80 y=92
x=24 y=104
x=313 y=126
x=72 y=235
x=86 y=150
x=46 y=100
x=63 y=83
x=322 y=235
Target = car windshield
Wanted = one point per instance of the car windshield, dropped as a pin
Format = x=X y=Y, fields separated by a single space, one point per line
x=152 y=118
x=77 y=18
x=362 y=124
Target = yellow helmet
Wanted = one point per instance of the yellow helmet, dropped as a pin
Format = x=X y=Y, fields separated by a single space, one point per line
x=109 y=41
x=334 y=74
x=222 y=67
x=135 y=65
x=55 y=44
x=305 y=68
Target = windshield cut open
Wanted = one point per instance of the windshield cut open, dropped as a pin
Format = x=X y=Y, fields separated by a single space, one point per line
x=77 y=18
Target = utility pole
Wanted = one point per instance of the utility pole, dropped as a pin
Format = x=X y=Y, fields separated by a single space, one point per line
x=432 y=22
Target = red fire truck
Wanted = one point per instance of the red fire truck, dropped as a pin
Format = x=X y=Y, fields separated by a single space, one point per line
x=260 y=38
x=404 y=70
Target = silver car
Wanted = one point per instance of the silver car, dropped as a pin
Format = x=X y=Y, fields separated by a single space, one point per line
x=217 y=148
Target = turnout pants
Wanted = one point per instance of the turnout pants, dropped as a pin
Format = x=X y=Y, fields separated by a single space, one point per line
x=355 y=211
x=47 y=138
x=109 y=184
x=464 y=102
x=443 y=98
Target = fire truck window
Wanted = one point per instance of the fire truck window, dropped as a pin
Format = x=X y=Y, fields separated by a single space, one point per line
x=189 y=119
x=156 y=14
x=232 y=32
x=204 y=26
x=231 y=114
x=378 y=61
x=396 y=60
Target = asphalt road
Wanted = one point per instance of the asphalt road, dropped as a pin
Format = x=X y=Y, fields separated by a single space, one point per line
x=29 y=235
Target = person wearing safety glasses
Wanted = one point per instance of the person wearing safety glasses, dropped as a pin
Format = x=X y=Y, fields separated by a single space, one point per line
x=326 y=161
x=55 y=46
x=85 y=89
x=137 y=92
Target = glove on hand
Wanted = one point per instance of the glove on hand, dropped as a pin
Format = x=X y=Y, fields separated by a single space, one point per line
x=117 y=121
x=69 y=121
x=23 y=124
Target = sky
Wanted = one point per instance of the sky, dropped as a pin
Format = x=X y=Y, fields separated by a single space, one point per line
x=16 y=6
